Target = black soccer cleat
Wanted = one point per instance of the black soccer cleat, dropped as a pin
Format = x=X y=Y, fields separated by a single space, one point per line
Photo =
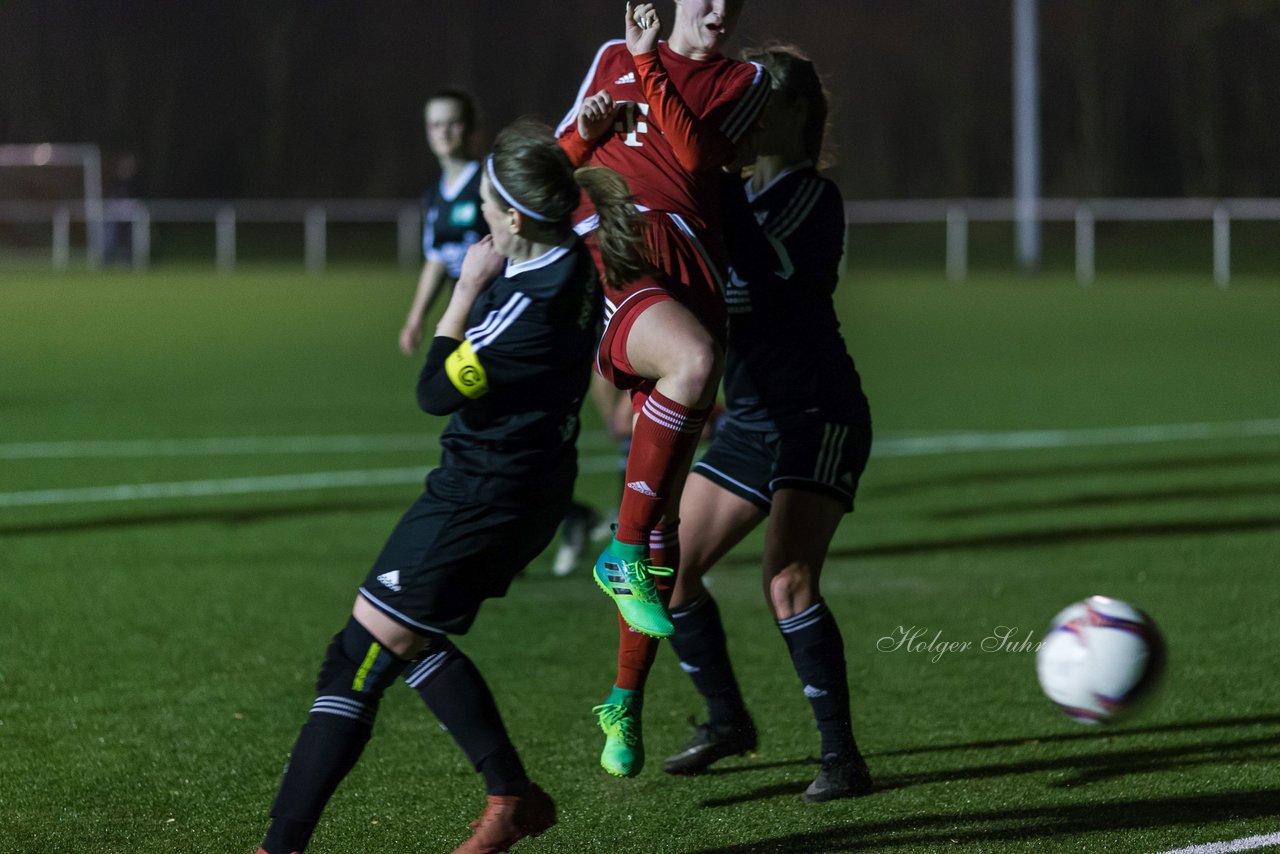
x=711 y=742
x=840 y=777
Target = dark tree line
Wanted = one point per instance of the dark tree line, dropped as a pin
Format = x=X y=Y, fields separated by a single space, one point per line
x=322 y=97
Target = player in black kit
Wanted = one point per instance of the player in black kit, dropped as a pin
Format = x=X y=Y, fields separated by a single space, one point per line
x=510 y=360
x=451 y=219
x=793 y=444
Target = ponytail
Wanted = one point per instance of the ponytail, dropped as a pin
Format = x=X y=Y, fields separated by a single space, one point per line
x=619 y=236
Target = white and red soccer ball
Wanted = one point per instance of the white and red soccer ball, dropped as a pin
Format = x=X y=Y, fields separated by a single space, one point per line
x=1100 y=659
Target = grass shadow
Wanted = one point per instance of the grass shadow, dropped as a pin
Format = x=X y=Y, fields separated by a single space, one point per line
x=220 y=515
x=1029 y=824
x=1091 y=734
x=1104 y=765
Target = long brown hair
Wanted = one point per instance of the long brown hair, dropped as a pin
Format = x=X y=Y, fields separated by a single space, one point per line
x=619 y=235
x=796 y=78
x=537 y=173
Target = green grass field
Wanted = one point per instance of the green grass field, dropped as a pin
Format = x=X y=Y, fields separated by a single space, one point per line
x=158 y=645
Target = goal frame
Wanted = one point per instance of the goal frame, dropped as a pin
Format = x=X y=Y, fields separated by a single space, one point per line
x=88 y=157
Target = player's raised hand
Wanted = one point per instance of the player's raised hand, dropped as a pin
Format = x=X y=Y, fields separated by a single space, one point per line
x=595 y=116
x=642 y=28
x=481 y=265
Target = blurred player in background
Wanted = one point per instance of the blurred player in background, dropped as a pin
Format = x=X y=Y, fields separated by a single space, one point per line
x=795 y=440
x=451 y=219
x=666 y=116
x=583 y=525
x=511 y=360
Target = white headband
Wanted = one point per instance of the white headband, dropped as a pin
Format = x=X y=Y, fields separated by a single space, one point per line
x=507 y=197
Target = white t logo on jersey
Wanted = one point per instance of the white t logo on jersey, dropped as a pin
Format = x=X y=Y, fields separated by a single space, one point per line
x=629 y=125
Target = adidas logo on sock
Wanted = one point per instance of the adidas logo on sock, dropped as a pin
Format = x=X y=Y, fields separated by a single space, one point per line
x=391 y=579
x=814 y=693
x=643 y=488
x=629 y=77
x=689 y=668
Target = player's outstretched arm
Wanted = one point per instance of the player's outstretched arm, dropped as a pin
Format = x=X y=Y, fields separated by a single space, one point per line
x=429 y=282
x=578 y=135
x=594 y=122
x=481 y=266
x=452 y=374
x=698 y=145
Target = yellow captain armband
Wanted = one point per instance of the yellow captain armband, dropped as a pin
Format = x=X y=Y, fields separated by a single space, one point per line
x=465 y=371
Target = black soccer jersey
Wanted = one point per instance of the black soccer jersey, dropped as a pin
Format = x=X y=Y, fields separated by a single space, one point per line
x=451 y=219
x=786 y=362
x=516 y=383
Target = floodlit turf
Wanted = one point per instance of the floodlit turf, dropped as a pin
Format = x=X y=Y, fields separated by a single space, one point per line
x=157 y=655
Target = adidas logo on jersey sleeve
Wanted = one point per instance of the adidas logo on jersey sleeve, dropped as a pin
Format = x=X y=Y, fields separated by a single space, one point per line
x=390 y=580
x=629 y=77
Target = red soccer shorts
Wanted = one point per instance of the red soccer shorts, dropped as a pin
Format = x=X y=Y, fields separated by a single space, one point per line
x=686 y=273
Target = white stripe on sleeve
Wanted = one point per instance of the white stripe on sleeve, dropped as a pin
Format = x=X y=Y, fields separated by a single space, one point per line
x=498 y=321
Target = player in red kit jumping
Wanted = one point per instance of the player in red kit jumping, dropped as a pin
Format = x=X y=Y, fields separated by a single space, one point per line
x=666 y=116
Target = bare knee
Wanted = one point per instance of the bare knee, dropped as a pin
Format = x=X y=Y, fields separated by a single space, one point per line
x=696 y=375
x=793 y=589
x=689 y=586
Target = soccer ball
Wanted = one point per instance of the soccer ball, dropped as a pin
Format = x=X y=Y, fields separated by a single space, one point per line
x=1100 y=659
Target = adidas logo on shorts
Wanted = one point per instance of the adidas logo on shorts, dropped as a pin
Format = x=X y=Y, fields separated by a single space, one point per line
x=390 y=579
x=629 y=77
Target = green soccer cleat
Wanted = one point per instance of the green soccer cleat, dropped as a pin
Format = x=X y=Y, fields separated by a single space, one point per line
x=619 y=718
x=624 y=573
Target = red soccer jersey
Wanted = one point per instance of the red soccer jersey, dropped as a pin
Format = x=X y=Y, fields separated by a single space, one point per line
x=670 y=145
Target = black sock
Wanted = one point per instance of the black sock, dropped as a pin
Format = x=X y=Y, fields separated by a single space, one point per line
x=817 y=653
x=325 y=752
x=455 y=691
x=355 y=672
x=699 y=642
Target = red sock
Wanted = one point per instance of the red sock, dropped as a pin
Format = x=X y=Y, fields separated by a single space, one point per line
x=636 y=652
x=664 y=550
x=661 y=445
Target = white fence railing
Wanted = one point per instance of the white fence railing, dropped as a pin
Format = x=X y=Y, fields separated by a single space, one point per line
x=1085 y=213
x=316 y=215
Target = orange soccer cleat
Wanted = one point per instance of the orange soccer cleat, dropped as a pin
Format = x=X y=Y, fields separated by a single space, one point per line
x=509 y=818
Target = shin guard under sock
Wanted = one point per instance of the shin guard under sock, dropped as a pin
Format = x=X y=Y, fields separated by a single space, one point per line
x=662 y=443
x=457 y=694
x=356 y=670
x=817 y=652
x=699 y=642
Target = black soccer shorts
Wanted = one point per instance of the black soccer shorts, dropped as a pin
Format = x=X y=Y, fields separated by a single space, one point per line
x=447 y=555
x=820 y=457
